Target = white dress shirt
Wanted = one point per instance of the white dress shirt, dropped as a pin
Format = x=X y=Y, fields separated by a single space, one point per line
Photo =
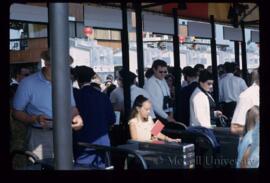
x=157 y=89
x=247 y=99
x=230 y=88
x=199 y=109
x=135 y=91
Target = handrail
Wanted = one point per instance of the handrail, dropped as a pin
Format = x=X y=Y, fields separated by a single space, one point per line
x=180 y=123
x=115 y=149
x=25 y=153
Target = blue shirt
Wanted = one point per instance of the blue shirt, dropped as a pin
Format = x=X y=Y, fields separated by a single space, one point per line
x=243 y=145
x=34 y=96
x=254 y=158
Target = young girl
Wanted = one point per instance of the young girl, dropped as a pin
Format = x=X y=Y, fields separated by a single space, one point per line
x=141 y=123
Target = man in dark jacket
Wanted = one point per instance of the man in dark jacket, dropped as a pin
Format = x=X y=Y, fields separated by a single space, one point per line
x=183 y=96
x=97 y=112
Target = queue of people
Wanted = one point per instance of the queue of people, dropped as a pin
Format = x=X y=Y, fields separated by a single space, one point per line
x=93 y=107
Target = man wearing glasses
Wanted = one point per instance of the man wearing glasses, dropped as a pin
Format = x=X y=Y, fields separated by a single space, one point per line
x=159 y=92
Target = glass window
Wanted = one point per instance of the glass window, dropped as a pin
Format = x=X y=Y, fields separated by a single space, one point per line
x=37 y=30
x=72 y=29
x=79 y=29
x=18 y=30
x=115 y=35
x=102 y=34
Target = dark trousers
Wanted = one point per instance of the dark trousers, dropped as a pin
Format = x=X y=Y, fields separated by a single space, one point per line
x=228 y=109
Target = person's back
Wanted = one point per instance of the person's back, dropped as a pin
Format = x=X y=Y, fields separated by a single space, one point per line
x=254 y=157
x=247 y=99
x=245 y=143
x=96 y=110
x=231 y=87
x=182 y=113
x=97 y=113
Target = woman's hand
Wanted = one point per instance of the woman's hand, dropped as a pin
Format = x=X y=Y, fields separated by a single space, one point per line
x=168 y=139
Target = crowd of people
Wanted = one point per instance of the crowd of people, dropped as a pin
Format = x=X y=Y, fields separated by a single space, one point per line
x=93 y=106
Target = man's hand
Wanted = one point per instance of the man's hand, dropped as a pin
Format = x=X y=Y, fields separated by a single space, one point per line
x=237 y=129
x=218 y=114
x=43 y=121
x=77 y=122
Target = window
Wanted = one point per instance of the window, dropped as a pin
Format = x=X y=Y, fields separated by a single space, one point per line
x=79 y=29
x=115 y=35
x=21 y=32
x=102 y=34
x=37 y=30
x=72 y=29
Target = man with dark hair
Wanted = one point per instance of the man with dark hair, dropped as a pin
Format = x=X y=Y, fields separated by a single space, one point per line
x=230 y=88
x=159 y=92
x=97 y=113
x=185 y=70
x=198 y=68
x=183 y=96
x=33 y=105
x=221 y=72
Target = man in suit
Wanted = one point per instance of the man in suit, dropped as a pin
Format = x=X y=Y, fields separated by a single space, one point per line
x=183 y=96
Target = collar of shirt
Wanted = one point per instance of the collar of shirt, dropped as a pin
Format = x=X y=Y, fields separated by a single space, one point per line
x=133 y=86
x=42 y=77
x=193 y=81
x=158 y=80
x=85 y=84
x=229 y=75
x=255 y=85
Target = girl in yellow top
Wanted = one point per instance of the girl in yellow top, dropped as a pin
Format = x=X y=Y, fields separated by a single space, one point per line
x=141 y=123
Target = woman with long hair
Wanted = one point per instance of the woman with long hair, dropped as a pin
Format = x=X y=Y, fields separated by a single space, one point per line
x=141 y=123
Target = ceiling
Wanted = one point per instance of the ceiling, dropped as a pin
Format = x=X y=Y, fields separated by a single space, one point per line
x=201 y=11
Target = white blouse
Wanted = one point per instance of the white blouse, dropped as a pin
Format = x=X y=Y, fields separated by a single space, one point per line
x=199 y=109
x=143 y=128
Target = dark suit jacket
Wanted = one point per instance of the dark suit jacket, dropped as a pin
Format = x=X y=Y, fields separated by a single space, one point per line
x=182 y=103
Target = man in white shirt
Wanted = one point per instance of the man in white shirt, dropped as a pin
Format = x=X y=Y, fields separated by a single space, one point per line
x=247 y=99
x=230 y=88
x=159 y=92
